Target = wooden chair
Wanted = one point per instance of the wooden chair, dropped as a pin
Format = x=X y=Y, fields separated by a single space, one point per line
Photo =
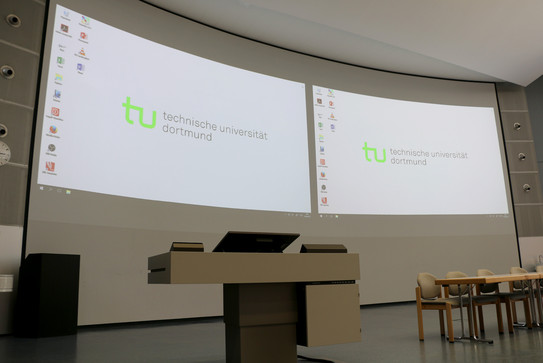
x=539 y=268
x=478 y=301
x=506 y=298
x=519 y=290
x=429 y=297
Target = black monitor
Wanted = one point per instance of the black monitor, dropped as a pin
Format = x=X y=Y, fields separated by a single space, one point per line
x=255 y=242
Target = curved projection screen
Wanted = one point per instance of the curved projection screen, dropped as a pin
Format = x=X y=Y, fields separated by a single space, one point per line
x=195 y=125
x=151 y=129
x=382 y=156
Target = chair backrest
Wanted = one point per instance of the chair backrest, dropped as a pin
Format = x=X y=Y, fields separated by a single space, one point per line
x=453 y=289
x=518 y=270
x=428 y=287
x=519 y=285
x=487 y=288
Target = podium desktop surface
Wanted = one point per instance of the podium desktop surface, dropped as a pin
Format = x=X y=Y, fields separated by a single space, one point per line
x=243 y=268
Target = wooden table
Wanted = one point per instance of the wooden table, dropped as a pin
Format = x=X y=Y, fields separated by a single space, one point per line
x=535 y=299
x=473 y=280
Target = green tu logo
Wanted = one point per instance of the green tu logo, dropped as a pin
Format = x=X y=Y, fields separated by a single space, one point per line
x=129 y=107
x=367 y=151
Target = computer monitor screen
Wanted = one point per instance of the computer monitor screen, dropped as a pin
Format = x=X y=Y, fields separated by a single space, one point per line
x=255 y=242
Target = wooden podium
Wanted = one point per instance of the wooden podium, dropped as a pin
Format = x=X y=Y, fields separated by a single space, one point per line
x=272 y=301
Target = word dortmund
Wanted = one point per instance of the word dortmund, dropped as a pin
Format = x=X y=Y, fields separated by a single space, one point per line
x=366 y=149
x=129 y=107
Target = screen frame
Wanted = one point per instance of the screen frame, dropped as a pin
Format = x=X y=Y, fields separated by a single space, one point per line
x=124 y=269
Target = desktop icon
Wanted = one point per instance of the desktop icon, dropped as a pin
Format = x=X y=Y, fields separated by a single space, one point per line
x=85 y=20
x=332 y=115
x=50 y=165
x=51 y=147
x=80 y=67
x=53 y=129
x=320 y=124
x=323 y=187
x=324 y=200
x=60 y=60
x=55 y=111
x=82 y=52
x=64 y=28
x=322 y=149
x=83 y=36
x=57 y=94
x=330 y=92
x=319 y=101
x=323 y=174
x=333 y=127
x=58 y=77
x=331 y=103
x=322 y=161
x=321 y=137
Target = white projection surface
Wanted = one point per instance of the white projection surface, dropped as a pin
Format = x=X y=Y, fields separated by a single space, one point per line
x=129 y=117
x=384 y=156
x=152 y=128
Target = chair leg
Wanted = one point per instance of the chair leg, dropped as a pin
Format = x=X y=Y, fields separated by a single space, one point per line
x=450 y=329
x=507 y=303
x=499 y=316
x=527 y=313
x=514 y=311
x=475 y=332
x=419 y=319
x=481 y=319
x=441 y=323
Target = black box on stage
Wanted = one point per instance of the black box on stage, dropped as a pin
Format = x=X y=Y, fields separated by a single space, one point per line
x=47 y=296
x=323 y=248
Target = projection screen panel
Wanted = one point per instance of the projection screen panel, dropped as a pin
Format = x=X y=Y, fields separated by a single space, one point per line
x=384 y=156
x=134 y=118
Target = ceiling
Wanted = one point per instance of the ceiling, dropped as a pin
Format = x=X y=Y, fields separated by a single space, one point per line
x=483 y=40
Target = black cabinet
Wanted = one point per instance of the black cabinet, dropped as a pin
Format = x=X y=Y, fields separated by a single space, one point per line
x=47 y=297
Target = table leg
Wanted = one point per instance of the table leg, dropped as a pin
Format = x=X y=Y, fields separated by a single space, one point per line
x=472 y=336
x=525 y=324
x=472 y=333
x=539 y=302
x=462 y=336
x=532 y=303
